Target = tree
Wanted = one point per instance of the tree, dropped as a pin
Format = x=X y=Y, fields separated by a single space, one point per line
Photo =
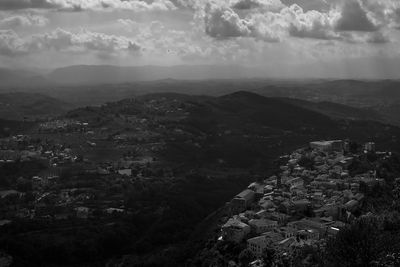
x=245 y=257
x=306 y=162
x=396 y=194
x=268 y=256
x=24 y=185
x=356 y=245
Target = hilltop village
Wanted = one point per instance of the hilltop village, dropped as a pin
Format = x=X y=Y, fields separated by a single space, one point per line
x=311 y=199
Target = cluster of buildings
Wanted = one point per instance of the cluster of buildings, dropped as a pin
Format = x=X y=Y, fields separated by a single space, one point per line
x=72 y=175
x=45 y=194
x=311 y=198
x=25 y=148
x=63 y=125
x=67 y=181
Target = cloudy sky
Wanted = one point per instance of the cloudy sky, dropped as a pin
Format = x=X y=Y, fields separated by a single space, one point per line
x=357 y=38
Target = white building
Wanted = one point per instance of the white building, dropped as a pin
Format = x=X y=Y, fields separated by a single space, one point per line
x=327 y=146
x=257 y=245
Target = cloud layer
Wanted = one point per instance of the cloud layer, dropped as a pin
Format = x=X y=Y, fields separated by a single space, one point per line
x=23 y=21
x=64 y=41
x=175 y=31
x=81 y=5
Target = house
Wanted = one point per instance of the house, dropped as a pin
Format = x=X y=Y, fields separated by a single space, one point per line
x=301 y=205
x=310 y=234
x=261 y=214
x=307 y=224
x=295 y=242
x=268 y=189
x=359 y=197
x=6 y=193
x=281 y=218
x=257 y=263
x=333 y=210
x=5 y=259
x=114 y=211
x=82 y=212
x=260 y=226
x=125 y=172
x=334 y=228
x=266 y=204
x=257 y=245
x=352 y=205
x=258 y=189
x=287 y=232
x=4 y=222
x=295 y=182
x=242 y=201
x=370 y=147
x=328 y=146
x=235 y=230
x=286 y=207
x=37 y=182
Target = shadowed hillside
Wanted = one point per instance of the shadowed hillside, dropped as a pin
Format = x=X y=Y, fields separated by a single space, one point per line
x=18 y=106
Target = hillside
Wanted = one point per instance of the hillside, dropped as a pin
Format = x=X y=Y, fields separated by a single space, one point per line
x=18 y=106
x=21 y=79
x=241 y=129
x=188 y=156
x=338 y=111
x=9 y=127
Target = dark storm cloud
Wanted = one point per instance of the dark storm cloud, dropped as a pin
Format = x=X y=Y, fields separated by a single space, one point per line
x=354 y=18
x=319 y=5
x=250 y=4
x=23 y=4
x=246 y=4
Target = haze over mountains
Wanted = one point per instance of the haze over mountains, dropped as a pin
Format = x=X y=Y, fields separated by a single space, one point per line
x=82 y=85
x=109 y=74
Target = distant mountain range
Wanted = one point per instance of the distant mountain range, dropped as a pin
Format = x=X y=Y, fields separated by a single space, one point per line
x=107 y=74
x=112 y=74
x=81 y=85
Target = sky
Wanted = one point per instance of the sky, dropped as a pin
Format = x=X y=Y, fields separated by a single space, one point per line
x=288 y=38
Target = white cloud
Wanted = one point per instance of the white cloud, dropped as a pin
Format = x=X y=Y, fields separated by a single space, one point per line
x=64 y=41
x=200 y=31
x=80 y=5
x=223 y=22
x=385 y=11
x=10 y=43
x=311 y=24
x=23 y=21
x=345 y=21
